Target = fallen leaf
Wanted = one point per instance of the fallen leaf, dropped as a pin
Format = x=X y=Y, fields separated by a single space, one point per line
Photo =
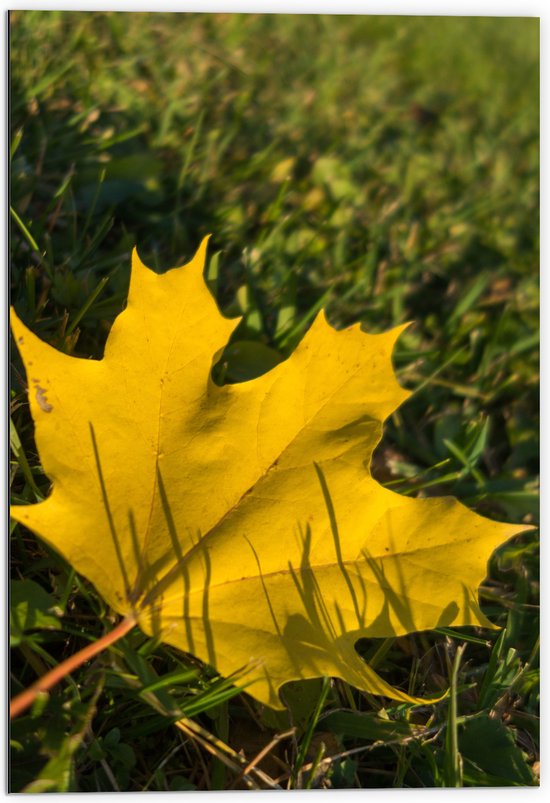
x=241 y=523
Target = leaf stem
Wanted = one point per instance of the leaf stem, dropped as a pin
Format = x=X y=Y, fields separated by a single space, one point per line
x=22 y=701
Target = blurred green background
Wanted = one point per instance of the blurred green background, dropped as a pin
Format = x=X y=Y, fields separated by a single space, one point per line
x=385 y=168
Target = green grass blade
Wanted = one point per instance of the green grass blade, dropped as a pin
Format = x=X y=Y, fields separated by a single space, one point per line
x=453 y=759
x=28 y=236
x=86 y=306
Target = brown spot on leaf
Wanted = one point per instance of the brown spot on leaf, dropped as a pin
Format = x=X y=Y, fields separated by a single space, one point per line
x=42 y=400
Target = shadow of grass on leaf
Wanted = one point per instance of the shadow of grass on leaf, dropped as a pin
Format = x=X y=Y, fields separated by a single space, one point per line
x=321 y=634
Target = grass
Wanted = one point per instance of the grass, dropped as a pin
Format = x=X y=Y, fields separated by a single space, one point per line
x=389 y=172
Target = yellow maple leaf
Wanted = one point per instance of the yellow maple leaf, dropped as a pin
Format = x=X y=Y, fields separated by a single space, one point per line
x=241 y=523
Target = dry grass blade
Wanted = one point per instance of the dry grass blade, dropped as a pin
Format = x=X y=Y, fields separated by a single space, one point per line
x=231 y=759
x=263 y=753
